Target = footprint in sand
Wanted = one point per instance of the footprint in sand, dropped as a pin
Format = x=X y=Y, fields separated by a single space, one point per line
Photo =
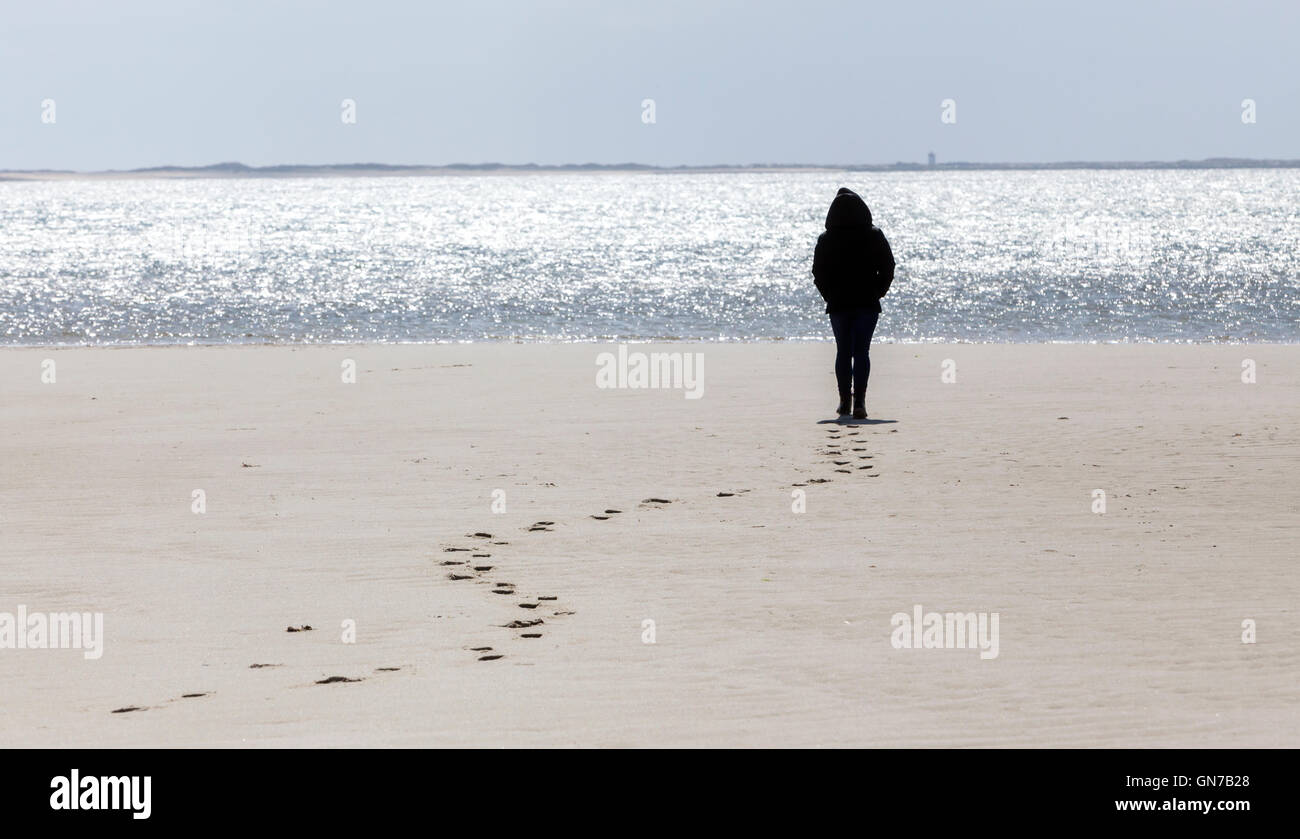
x=845 y=471
x=304 y=628
x=493 y=657
x=840 y=462
x=387 y=669
x=868 y=466
x=612 y=512
x=454 y=550
x=656 y=501
x=192 y=695
x=530 y=635
x=819 y=480
x=334 y=680
x=128 y=709
x=260 y=666
x=726 y=494
x=503 y=588
x=601 y=518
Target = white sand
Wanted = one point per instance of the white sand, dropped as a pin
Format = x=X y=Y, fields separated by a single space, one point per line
x=772 y=628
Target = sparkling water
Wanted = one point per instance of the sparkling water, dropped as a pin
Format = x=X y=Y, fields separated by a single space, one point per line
x=1181 y=255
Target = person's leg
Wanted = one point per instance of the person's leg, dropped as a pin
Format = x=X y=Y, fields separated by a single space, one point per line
x=841 y=325
x=864 y=326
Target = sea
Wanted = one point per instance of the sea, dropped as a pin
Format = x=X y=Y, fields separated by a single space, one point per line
x=1084 y=255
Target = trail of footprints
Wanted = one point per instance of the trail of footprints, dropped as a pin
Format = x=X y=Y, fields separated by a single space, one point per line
x=845 y=455
x=475 y=566
x=328 y=680
x=461 y=570
x=475 y=569
x=839 y=446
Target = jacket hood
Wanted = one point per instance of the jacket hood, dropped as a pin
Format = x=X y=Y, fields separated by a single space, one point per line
x=848 y=210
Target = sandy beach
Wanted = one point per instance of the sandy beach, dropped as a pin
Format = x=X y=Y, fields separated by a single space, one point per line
x=325 y=502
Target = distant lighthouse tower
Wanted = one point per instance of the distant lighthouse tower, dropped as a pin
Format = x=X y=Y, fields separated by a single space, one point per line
x=931 y=158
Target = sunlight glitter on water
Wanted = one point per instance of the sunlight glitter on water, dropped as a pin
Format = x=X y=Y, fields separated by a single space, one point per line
x=983 y=256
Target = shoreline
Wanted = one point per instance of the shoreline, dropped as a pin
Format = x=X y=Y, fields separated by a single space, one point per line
x=638 y=341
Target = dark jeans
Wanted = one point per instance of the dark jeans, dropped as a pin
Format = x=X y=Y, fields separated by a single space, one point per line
x=853 y=330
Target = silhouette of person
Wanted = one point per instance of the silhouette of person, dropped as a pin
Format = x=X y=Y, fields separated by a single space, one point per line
x=853 y=268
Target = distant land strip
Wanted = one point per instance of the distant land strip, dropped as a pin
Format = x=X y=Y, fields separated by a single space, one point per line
x=240 y=170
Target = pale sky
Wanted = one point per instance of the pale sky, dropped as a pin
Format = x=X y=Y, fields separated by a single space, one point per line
x=159 y=82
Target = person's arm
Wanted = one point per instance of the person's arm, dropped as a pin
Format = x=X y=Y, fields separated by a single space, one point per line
x=885 y=266
x=819 y=269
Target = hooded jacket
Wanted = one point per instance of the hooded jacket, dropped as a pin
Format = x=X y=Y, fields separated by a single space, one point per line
x=853 y=266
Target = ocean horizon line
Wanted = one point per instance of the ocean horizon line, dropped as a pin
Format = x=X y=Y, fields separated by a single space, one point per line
x=235 y=169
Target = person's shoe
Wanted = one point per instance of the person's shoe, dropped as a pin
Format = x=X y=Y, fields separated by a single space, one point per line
x=860 y=406
x=843 y=410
